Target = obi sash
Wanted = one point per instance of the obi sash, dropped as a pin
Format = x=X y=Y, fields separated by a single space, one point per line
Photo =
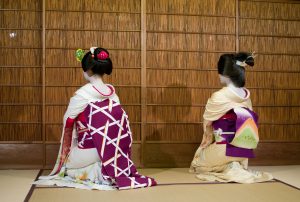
x=109 y=127
x=245 y=134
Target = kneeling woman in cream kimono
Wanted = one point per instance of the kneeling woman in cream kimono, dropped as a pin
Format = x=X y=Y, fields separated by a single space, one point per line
x=95 y=150
x=230 y=128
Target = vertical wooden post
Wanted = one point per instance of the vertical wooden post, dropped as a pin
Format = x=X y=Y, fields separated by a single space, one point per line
x=44 y=80
x=143 y=81
x=237 y=13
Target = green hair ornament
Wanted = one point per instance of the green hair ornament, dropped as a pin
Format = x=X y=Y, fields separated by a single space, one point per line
x=79 y=54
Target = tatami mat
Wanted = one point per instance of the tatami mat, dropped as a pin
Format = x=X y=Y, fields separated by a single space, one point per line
x=175 y=184
x=170 y=175
x=15 y=184
x=262 y=192
x=288 y=174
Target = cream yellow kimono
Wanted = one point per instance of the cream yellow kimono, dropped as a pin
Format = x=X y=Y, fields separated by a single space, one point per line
x=210 y=161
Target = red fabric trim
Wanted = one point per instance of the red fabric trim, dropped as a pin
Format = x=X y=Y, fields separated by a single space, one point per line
x=229 y=116
x=67 y=140
x=246 y=93
x=69 y=122
x=106 y=95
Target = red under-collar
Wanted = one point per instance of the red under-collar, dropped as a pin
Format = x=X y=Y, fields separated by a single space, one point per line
x=112 y=90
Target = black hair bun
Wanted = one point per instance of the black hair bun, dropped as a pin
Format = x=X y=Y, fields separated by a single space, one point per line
x=233 y=66
x=245 y=57
x=99 y=62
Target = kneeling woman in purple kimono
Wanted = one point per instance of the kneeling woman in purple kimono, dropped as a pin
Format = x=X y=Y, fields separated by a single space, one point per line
x=230 y=128
x=95 y=150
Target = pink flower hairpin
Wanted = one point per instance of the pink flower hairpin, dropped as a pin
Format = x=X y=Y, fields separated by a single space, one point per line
x=102 y=55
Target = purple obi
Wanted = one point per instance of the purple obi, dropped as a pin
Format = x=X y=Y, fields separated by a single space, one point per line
x=225 y=129
x=105 y=126
x=85 y=140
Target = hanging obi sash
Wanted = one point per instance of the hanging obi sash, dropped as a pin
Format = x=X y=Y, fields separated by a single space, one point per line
x=109 y=127
x=246 y=130
x=246 y=135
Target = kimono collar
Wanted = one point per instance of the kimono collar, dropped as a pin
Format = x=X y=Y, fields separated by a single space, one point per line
x=234 y=96
x=105 y=90
x=224 y=100
x=112 y=90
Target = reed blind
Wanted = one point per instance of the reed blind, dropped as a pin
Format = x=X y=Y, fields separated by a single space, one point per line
x=164 y=54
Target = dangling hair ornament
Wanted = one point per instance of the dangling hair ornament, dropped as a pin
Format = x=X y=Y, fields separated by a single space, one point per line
x=243 y=63
x=92 y=49
x=253 y=55
x=79 y=54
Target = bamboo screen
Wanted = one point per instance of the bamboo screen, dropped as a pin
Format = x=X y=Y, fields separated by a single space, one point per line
x=164 y=54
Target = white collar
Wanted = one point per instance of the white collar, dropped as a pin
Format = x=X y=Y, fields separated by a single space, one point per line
x=238 y=91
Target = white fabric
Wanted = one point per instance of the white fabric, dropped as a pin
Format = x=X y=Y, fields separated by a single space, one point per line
x=80 y=158
x=69 y=182
x=235 y=172
x=224 y=100
x=87 y=94
x=90 y=178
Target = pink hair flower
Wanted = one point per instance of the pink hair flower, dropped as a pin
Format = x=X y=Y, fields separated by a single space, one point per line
x=102 y=55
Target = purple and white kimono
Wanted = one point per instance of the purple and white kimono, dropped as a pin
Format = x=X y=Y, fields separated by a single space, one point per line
x=110 y=131
x=96 y=144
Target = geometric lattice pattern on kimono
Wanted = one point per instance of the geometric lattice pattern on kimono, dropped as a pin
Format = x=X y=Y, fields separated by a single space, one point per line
x=109 y=127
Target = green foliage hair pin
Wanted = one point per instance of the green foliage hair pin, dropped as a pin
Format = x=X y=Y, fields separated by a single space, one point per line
x=79 y=54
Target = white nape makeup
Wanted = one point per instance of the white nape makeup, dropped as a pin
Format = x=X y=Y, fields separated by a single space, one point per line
x=227 y=82
x=86 y=76
x=240 y=91
x=93 y=78
x=224 y=80
x=96 y=81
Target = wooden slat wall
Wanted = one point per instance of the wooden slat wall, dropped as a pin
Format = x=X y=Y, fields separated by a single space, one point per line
x=184 y=41
x=272 y=29
x=164 y=54
x=21 y=100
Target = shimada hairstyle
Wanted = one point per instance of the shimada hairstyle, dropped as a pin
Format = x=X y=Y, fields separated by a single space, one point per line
x=97 y=60
x=233 y=66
